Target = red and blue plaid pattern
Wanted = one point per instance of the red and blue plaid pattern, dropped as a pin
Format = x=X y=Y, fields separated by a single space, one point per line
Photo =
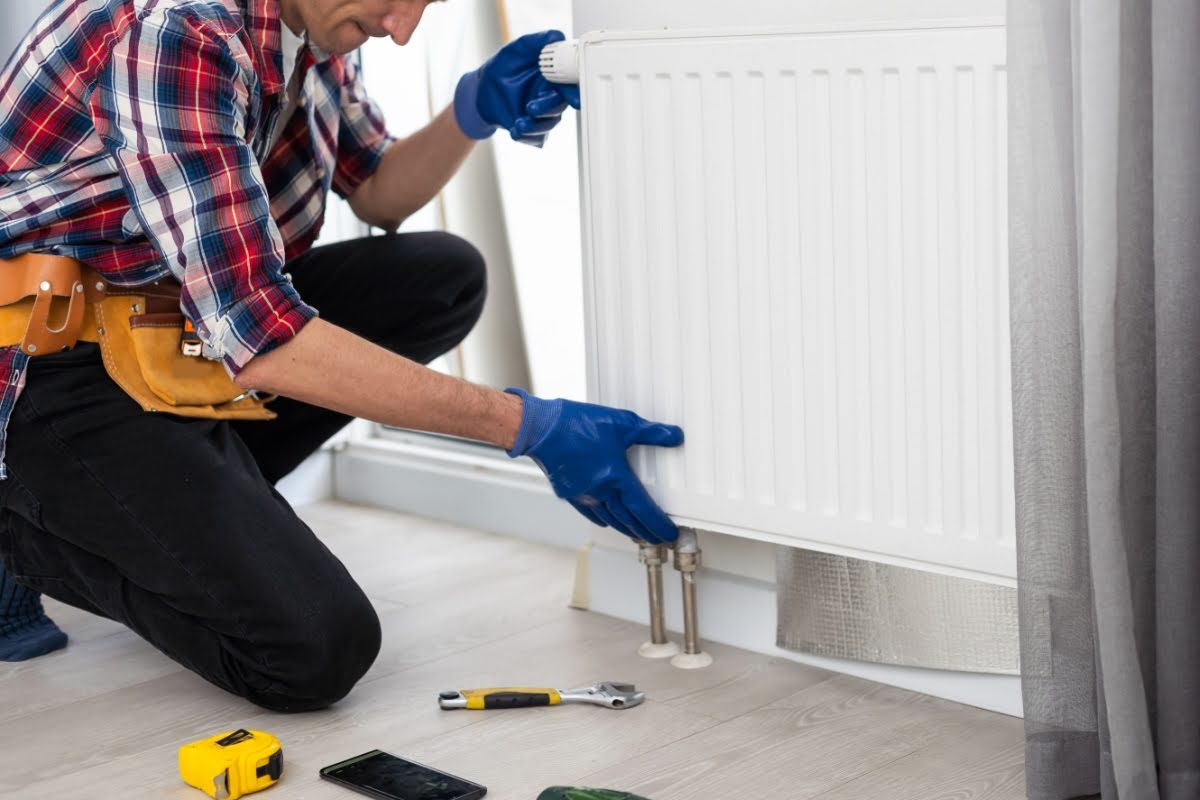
x=132 y=138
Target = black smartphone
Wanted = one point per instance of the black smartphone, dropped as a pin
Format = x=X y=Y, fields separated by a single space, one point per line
x=387 y=777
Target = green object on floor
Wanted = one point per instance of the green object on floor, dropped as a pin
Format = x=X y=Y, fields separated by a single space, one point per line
x=580 y=793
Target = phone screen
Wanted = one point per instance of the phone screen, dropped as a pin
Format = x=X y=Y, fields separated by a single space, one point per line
x=384 y=775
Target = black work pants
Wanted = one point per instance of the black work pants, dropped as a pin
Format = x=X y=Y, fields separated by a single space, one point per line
x=173 y=527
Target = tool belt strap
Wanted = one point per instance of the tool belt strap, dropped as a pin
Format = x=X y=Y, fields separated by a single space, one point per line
x=50 y=303
x=47 y=303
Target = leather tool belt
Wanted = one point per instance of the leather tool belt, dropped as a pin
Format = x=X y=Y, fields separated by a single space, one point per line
x=49 y=303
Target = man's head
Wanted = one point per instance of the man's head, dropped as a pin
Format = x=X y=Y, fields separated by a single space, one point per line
x=341 y=26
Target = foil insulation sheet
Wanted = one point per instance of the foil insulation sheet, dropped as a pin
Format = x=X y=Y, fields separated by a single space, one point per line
x=850 y=608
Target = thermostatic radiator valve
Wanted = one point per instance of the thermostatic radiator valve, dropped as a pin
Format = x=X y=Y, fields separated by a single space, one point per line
x=559 y=62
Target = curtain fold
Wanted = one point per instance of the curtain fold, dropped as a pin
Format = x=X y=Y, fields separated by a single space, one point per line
x=1105 y=291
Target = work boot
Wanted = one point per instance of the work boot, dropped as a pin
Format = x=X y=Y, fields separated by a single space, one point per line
x=25 y=630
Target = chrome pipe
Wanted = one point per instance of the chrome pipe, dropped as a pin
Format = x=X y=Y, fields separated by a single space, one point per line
x=687 y=562
x=691 y=638
x=654 y=558
x=659 y=645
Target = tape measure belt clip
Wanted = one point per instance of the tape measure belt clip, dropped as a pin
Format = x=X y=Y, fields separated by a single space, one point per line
x=273 y=769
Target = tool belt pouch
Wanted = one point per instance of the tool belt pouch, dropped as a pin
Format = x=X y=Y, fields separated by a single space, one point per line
x=49 y=303
x=139 y=340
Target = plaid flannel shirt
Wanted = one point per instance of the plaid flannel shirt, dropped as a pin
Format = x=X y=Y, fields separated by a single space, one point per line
x=132 y=138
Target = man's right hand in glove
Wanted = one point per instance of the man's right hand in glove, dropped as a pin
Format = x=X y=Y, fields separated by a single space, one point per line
x=582 y=449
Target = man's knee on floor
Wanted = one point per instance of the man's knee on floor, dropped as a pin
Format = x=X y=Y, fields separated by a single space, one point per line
x=332 y=646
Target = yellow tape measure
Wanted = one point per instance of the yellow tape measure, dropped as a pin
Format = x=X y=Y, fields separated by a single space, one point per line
x=232 y=764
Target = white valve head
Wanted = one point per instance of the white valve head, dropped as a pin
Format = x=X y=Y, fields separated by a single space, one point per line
x=559 y=62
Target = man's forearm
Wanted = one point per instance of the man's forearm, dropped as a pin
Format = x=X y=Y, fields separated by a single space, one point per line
x=412 y=172
x=330 y=367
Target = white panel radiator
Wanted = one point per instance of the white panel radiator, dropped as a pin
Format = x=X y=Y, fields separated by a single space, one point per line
x=796 y=248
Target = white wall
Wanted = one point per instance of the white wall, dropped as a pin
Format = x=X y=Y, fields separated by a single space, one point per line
x=540 y=191
x=518 y=204
x=16 y=17
x=414 y=83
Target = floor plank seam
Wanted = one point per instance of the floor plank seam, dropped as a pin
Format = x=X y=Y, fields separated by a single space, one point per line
x=642 y=756
x=369 y=679
x=91 y=697
x=671 y=704
x=862 y=776
x=678 y=701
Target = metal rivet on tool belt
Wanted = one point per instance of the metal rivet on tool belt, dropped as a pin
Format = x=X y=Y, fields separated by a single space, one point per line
x=78 y=288
x=32 y=348
x=44 y=286
x=99 y=286
x=137 y=309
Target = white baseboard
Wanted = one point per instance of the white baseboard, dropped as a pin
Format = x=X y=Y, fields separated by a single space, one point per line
x=741 y=612
x=481 y=488
x=311 y=482
x=465 y=484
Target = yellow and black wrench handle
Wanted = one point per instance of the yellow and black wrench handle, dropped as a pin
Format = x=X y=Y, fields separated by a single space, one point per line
x=479 y=699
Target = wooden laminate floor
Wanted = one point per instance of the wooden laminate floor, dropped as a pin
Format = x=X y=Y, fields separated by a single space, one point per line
x=105 y=717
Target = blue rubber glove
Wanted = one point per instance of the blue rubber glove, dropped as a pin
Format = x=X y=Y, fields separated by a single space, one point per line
x=510 y=92
x=581 y=448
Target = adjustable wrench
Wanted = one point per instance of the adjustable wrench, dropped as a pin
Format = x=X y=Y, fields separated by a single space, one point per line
x=607 y=694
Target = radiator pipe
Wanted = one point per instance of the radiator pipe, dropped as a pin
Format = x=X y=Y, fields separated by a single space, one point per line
x=659 y=645
x=687 y=562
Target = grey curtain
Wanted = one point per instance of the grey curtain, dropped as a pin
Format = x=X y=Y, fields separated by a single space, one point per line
x=1105 y=289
